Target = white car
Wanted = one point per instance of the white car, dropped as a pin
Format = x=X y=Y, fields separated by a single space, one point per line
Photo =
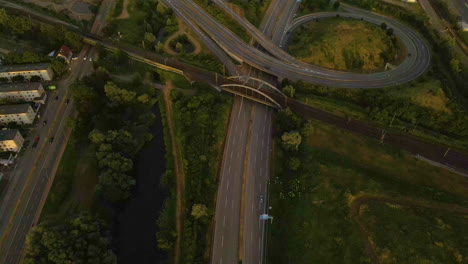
x=84 y=58
x=90 y=59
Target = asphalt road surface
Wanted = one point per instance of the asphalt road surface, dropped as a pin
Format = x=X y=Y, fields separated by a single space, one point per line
x=228 y=203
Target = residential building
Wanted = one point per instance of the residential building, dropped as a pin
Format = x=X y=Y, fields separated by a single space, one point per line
x=11 y=140
x=66 y=53
x=18 y=113
x=43 y=70
x=32 y=91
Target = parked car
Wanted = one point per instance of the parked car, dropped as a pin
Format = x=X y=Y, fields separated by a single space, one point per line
x=44 y=123
x=56 y=98
x=67 y=101
x=51 y=140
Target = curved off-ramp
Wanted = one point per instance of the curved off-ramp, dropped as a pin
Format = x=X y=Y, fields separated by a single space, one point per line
x=279 y=63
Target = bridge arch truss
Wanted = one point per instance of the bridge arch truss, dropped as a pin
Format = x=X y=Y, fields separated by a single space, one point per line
x=254 y=94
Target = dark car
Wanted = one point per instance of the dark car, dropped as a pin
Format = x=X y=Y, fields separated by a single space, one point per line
x=44 y=122
x=51 y=140
x=260 y=200
x=56 y=98
x=67 y=101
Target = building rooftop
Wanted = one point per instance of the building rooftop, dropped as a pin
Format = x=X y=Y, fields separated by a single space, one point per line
x=14 y=109
x=24 y=67
x=16 y=87
x=8 y=134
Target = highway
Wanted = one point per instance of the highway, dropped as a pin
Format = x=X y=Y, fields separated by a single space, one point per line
x=285 y=66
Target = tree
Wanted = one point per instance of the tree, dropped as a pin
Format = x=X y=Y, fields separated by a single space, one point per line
x=289 y=91
x=30 y=57
x=73 y=40
x=59 y=66
x=18 y=78
x=179 y=47
x=35 y=78
x=199 y=211
x=455 y=65
x=390 y=31
x=150 y=38
x=78 y=239
x=3 y=79
x=336 y=5
x=116 y=162
x=118 y=96
x=291 y=140
x=383 y=26
x=161 y=8
x=294 y=163
x=159 y=47
x=114 y=186
x=308 y=129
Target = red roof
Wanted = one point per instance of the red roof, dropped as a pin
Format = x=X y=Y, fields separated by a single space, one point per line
x=65 y=51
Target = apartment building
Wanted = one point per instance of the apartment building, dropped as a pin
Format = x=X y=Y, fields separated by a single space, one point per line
x=19 y=113
x=31 y=92
x=43 y=70
x=11 y=140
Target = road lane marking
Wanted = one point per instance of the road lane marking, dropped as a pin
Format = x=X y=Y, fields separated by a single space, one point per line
x=252 y=207
x=232 y=203
x=227 y=187
x=224 y=220
x=238 y=154
x=229 y=169
x=222 y=241
x=231 y=153
x=225 y=202
x=261 y=153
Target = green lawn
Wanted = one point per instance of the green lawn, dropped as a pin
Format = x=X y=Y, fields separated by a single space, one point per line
x=312 y=206
x=133 y=28
x=415 y=234
x=73 y=187
x=343 y=44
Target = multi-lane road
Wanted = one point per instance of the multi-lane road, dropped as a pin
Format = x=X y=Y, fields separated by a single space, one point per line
x=284 y=65
x=32 y=176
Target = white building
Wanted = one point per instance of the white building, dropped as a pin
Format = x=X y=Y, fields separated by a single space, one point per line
x=11 y=140
x=43 y=70
x=19 y=113
x=23 y=92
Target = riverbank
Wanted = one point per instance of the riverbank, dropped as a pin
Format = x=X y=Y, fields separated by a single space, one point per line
x=135 y=225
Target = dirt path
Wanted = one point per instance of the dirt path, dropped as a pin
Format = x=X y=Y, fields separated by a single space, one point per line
x=179 y=169
x=124 y=14
x=182 y=30
x=355 y=207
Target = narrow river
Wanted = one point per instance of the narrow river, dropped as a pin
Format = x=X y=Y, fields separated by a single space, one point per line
x=135 y=222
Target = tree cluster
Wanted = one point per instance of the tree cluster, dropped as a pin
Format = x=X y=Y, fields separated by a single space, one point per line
x=291 y=131
x=117 y=118
x=200 y=126
x=80 y=239
x=51 y=36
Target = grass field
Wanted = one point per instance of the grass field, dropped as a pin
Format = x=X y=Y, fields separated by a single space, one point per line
x=343 y=44
x=313 y=206
x=73 y=187
x=132 y=29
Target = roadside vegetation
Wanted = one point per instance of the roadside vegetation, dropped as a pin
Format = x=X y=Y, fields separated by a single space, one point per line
x=200 y=119
x=253 y=11
x=224 y=19
x=340 y=198
x=445 y=65
x=345 y=44
x=421 y=107
x=313 y=6
x=51 y=37
x=432 y=107
x=149 y=25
